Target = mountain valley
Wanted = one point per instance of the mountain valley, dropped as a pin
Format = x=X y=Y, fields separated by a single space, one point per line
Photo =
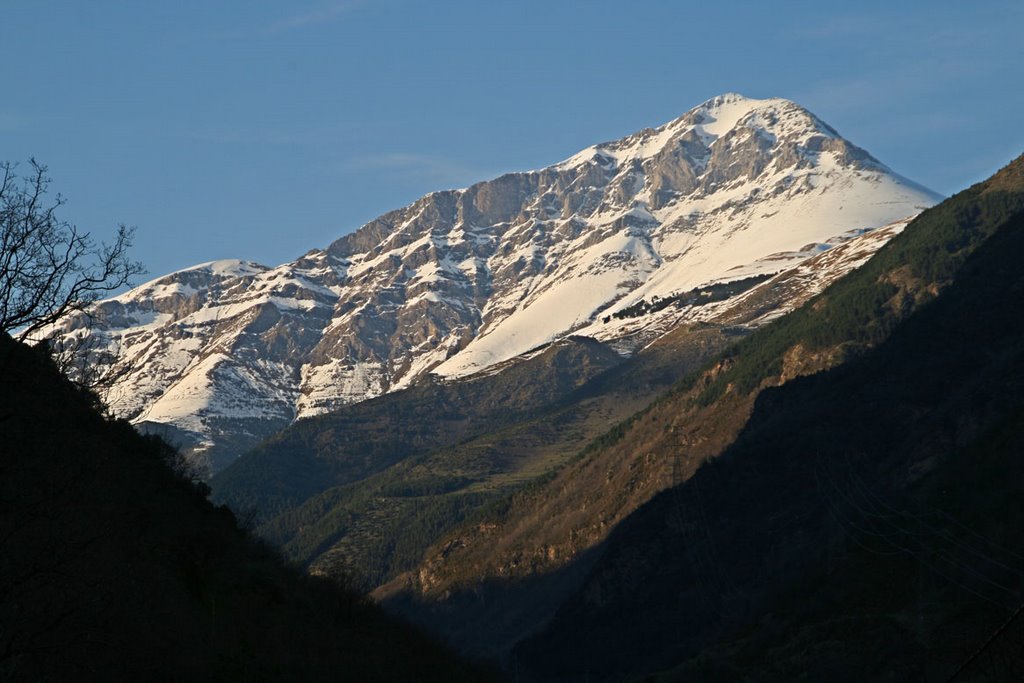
x=561 y=460
x=534 y=342
x=222 y=355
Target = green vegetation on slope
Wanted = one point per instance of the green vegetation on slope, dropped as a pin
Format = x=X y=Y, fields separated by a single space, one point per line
x=862 y=309
x=554 y=527
x=368 y=437
x=363 y=492
x=114 y=567
x=864 y=526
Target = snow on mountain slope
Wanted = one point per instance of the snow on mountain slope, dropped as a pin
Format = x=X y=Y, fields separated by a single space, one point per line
x=227 y=352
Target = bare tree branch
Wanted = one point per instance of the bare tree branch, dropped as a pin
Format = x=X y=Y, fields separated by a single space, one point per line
x=50 y=270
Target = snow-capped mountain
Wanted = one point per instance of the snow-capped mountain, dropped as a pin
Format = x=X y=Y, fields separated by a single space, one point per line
x=607 y=244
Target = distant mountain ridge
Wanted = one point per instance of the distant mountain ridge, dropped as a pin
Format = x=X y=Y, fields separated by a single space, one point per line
x=223 y=354
x=866 y=522
x=405 y=467
x=116 y=567
x=488 y=584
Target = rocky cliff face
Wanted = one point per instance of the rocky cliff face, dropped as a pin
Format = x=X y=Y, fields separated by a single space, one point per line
x=863 y=524
x=488 y=583
x=225 y=353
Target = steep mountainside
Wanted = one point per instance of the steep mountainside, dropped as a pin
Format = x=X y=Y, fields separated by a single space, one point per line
x=605 y=244
x=359 y=440
x=114 y=567
x=866 y=524
x=524 y=557
x=362 y=492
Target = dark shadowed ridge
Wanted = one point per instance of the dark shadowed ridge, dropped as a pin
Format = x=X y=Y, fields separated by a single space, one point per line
x=114 y=567
x=866 y=523
x=533 y=548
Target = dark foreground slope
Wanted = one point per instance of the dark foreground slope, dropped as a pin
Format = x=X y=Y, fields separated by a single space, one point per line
x=113 y=567
x=362 y=492
x=866 y=524
x=529 y=554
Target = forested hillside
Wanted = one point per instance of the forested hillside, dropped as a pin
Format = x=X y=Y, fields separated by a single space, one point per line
x=534 y=548
x=115 y=567
x=866 y=524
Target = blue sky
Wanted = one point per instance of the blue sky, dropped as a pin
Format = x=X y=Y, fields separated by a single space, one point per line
x=262 y=129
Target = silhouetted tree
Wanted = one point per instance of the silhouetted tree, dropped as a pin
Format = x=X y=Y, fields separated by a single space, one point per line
x=48 y=268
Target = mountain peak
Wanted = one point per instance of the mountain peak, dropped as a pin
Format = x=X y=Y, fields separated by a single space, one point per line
x=723 y=113
x=1009 y=178
x=728 y=98
x=778 y=132
x=731 y=102
x=461 y=282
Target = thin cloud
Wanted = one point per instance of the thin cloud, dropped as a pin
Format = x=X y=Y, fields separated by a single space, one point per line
x=910 y=34
x=889 y=86
x=844 y=26
x=291 y=136
x=9 y=122
x=321 y=15
x=240 y=136
x=419 y=165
